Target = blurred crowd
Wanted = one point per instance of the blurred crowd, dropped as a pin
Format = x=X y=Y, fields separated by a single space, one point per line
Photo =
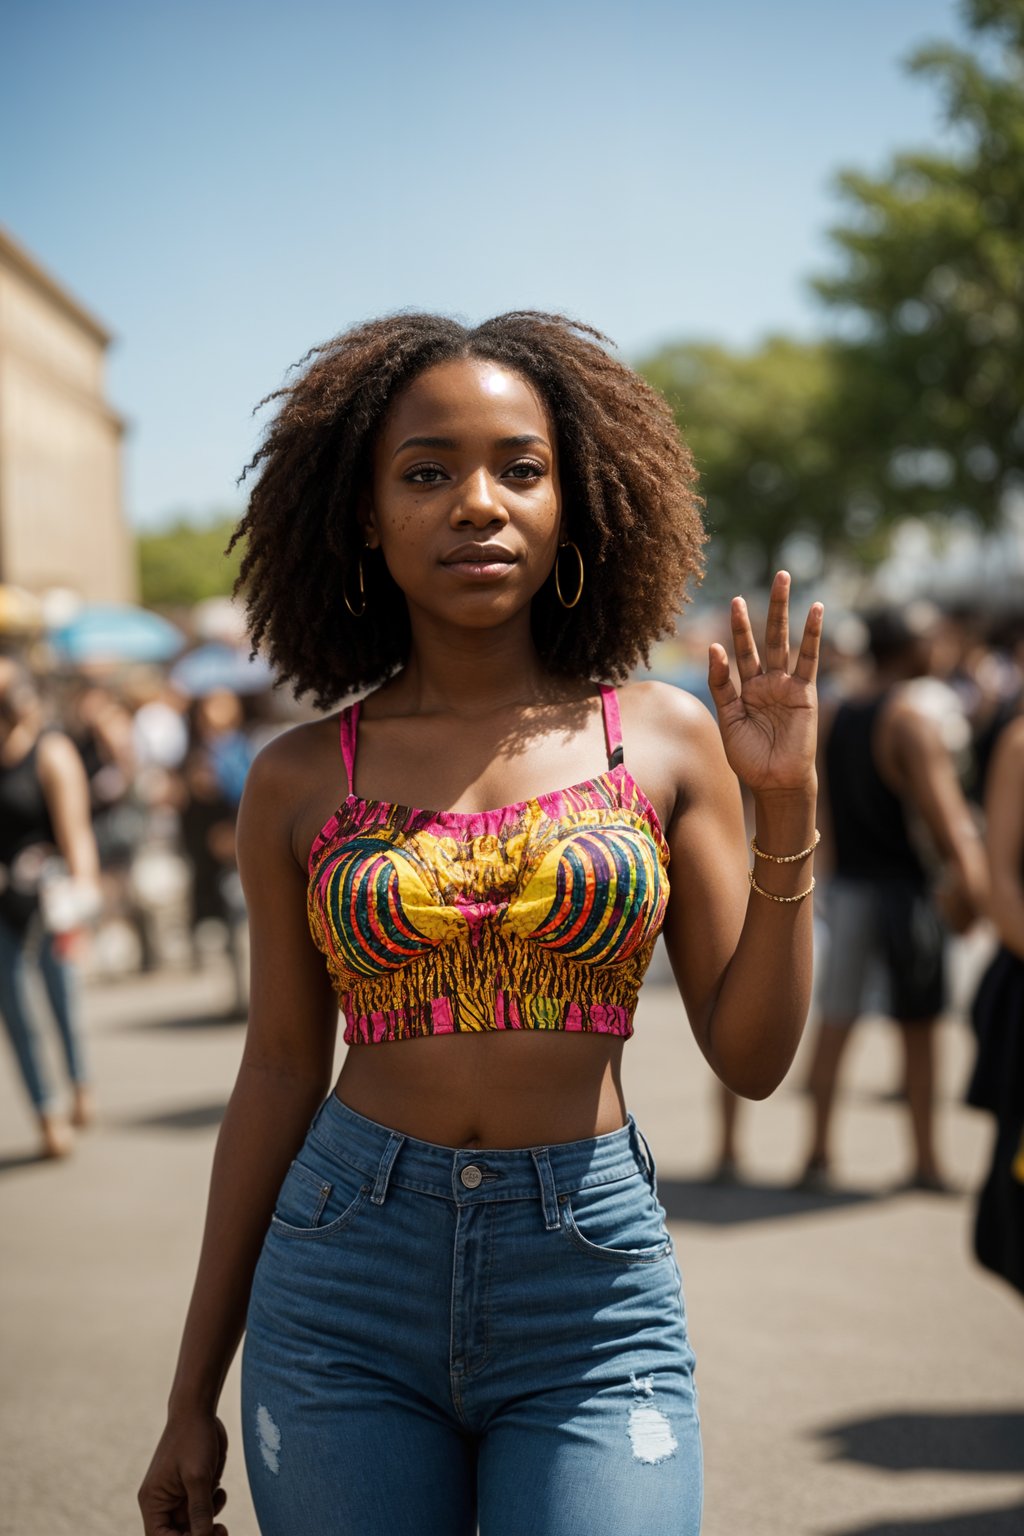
x=165 y=774
x=120 y=787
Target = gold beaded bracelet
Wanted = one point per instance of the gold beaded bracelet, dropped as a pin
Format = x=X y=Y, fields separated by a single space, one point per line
x=785 y=858
x=771 y=896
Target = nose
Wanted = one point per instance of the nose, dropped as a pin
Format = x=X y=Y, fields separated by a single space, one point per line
x=478 y=502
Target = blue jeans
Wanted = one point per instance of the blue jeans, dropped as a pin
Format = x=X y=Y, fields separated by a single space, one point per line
x=440 y=1336
x=60 y=977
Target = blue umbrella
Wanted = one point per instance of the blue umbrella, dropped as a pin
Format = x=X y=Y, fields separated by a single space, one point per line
x=116 y=633
x=214 y=666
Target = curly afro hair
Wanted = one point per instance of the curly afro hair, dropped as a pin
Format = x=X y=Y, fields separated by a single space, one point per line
x=628 y=486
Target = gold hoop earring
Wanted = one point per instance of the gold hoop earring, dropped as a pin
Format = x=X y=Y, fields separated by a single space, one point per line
x=558 y=585
x=356 y=613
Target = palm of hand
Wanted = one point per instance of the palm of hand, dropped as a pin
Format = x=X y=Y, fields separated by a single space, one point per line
x=769 y=726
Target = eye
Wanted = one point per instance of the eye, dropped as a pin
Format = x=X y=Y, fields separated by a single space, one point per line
x=526 y=469
x=424 y=474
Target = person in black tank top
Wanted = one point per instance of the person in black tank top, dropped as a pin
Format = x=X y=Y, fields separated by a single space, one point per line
x=997 y=1014
x=889 y=779
x=44 y=814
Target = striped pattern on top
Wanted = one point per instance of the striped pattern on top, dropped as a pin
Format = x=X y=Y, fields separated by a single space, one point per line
x=541 y=915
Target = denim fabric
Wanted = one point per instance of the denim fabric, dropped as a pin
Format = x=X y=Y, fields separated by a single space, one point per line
x=439 y=1337
x=17 y=1008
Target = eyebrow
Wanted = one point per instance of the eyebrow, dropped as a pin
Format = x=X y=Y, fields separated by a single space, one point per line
x=522 y=441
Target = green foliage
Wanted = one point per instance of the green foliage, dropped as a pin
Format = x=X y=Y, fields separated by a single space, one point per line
x=931 y=267
x=918 y=411
x=186 y=563
x=756 y=423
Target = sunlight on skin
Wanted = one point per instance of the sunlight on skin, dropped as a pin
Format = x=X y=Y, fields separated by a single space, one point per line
x=496 y=381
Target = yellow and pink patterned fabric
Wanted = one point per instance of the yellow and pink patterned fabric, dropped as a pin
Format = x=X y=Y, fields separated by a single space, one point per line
x=540 y=915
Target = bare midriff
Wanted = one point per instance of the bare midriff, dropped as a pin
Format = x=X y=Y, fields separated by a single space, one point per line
x=502 y=1089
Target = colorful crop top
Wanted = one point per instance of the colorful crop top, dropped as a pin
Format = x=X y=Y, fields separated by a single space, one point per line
x=539 y=915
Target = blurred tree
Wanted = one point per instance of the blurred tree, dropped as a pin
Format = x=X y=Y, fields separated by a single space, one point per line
x=928 y=411
x=185 y=563
x=758 y=424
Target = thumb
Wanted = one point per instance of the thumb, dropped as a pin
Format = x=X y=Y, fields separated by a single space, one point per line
x=720 y=678
x=200 y=1506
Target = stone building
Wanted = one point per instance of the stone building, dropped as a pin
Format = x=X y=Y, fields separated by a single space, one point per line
x=61 y=517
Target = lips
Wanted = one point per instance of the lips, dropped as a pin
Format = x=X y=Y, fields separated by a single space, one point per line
x=480 y=554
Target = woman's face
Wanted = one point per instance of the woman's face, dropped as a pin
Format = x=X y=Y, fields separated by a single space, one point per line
x=466 y=508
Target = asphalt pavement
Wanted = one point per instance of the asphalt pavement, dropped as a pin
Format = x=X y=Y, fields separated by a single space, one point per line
x=859 y=1375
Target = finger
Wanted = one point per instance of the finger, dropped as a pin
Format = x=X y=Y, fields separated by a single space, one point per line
x=220 y=1498
x=748 y=662
x=720 y=681
x=777 y=628
x=810 y=644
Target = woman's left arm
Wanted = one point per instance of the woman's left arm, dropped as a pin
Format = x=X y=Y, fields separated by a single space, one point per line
x=743 y=957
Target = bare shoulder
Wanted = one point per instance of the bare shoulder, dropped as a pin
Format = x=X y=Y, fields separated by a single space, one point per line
x=907 y=723
x=665 y=715
x=293 y=753
x=671 y=743
x=294 y=774
x=58 y=757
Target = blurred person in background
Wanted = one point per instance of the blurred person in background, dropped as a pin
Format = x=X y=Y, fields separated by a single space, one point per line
x=44 y=818
x=103 y=730
x=214 y=773
x=1002 y=675
x=895 y=810
x=997 y=1084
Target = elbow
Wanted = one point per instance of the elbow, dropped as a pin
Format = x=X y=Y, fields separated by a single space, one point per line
x=757 y=1071
x=756 y=1088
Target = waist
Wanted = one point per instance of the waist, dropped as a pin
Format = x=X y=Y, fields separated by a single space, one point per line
x=481 y=1174
x=493 y=1089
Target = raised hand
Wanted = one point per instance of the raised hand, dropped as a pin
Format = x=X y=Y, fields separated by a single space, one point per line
x=769 y=728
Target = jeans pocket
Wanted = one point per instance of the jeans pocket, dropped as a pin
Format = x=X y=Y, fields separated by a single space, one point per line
x=620 y=1221
x=319 y=1196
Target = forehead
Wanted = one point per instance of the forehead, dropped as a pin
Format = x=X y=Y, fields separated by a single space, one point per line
x=471 y=394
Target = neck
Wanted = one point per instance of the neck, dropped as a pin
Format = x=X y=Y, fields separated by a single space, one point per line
x=472 y=672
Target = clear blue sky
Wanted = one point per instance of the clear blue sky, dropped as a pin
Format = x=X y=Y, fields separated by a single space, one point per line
x=227 y=184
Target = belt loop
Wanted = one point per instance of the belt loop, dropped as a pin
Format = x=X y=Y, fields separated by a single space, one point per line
x=387 y=1162
x=548 y=1197
x=648 y=1156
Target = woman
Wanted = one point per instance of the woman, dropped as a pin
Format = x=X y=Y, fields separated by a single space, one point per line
x=466 y=1306
x=44 y=813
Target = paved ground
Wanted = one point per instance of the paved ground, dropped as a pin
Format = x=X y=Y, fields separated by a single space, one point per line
x=859 y=1376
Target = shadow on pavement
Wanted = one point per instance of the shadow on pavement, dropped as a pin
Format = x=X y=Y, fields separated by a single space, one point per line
x=194 y=1117
x=16 y=1160
x=728 y=1205
x=229 y=1017
x=975 y=1522
x=932 y=1442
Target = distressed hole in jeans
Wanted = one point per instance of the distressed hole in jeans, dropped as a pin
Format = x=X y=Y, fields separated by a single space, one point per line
x=269 y=1437
x=650 y=1433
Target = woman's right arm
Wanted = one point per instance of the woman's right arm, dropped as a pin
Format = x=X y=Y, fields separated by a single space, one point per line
x=1004 y=836
x=285 y=1074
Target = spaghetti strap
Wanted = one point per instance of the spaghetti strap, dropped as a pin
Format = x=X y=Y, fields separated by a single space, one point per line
x=349 y=726
x=612 y=725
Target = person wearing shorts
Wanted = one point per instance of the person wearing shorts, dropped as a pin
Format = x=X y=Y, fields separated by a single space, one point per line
x=887 y=770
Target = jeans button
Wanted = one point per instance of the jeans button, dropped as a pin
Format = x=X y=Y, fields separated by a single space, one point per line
x=471 y=1176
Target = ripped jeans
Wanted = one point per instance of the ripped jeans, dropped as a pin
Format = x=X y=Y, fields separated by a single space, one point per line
x=439 y=1338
